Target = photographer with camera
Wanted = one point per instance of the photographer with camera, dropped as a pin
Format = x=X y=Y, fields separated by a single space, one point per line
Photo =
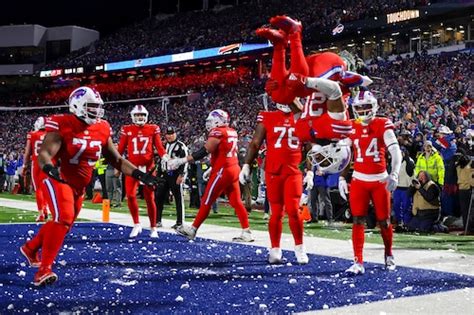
x=426 y=204
x=465 y=174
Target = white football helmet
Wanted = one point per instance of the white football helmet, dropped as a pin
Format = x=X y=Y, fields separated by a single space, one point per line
x=364 y=106
x=39 y=123
x=217 y=118
x=331 y=158
x=137 y=115
x=86 y=104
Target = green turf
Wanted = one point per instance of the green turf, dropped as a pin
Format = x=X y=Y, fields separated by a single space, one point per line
x=226 y=217
x=11 y=215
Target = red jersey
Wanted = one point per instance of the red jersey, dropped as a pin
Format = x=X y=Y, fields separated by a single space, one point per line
x=283 y=147
x=140 y=141
x=80 y=149
x=36 y=139
x=226 y=153
x=369 y=148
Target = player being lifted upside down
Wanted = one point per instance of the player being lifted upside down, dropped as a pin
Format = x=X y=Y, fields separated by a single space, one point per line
x=318 y=77
x=370 y=181
x=139 y=140
x=76 y=141
x=33 y=143
x=224 y=178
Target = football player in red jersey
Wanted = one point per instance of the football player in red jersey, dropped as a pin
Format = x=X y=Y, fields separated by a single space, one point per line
x=34 y=140
x=76 y=141
x=324 y=115
x=282 y=175
x=370 y=138
x=224 y=178
x=140 y=139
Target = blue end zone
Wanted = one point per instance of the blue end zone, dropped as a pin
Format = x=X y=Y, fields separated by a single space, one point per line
x=101 y=270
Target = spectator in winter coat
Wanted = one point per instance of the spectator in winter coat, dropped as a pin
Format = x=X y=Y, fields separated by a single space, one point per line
x=465 y=181
x=431 y=161
x=12 y=164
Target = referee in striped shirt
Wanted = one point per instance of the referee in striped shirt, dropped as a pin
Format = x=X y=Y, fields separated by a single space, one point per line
x=174 y=180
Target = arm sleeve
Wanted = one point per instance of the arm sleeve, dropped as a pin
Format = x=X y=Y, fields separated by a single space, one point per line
x=157 y=142
x=395 y=153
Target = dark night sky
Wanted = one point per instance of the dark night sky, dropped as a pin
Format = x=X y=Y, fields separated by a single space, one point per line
x=104 y=16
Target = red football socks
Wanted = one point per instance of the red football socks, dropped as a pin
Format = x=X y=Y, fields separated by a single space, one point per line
x=387 y=236
x=133 y=207
x=52 y=241
x=358 y=241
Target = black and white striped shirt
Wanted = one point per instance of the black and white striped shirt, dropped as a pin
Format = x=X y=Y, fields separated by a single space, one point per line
x=178 y=149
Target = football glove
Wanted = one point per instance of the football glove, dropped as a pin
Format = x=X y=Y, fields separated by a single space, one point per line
x=391 y=181
x=207 y=174
x=343 y=189
x=244 y=176
x=53 y=172
x=146 y=178
x=173 y=164
x=308 y=180
x=164 y=162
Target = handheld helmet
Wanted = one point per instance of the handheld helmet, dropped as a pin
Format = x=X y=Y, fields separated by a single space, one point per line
x=331 y=158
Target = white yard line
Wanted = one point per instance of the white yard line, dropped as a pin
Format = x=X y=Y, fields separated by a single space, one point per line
x=452 y=302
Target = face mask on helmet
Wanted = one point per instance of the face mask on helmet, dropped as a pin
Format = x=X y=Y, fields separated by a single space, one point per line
x=217 y=118
x=86 y=104
x=331 y=158
x=39 y=123
x=284 y=108
x=139 y=115
x=364 y=106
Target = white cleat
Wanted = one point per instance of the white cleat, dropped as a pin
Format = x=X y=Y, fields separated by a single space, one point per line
x=275 y=256
x=390 y=263
x=154 y=232
x=137 y=229
x=356 y=269
x=245 y=237
x=300 y=254
x=266 y=216
x=187 y=231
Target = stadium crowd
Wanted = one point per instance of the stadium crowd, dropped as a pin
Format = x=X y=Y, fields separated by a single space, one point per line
x=427 y=97
x=223 y=26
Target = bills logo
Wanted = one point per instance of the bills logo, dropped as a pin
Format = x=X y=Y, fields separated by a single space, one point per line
x=78 y=93
x=229 y=49
x=338 y=29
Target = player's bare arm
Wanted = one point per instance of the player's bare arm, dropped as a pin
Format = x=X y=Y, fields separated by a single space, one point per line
x=254 y=145
x=50 y=147
x=26 y=157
